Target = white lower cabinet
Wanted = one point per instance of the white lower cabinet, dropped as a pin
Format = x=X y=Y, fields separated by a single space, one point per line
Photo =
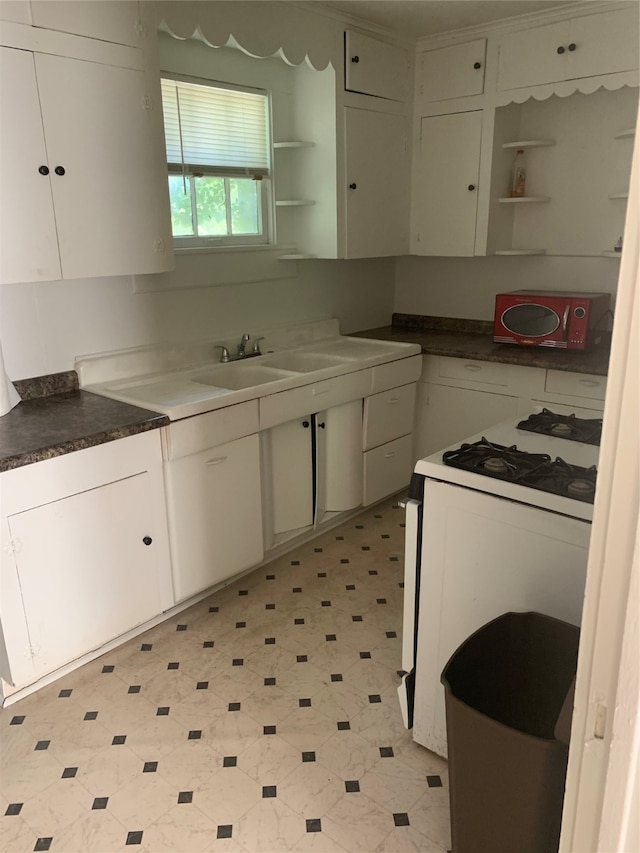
x=313 y=467
x=387 y=469
x=85 y=553
x=215 y=514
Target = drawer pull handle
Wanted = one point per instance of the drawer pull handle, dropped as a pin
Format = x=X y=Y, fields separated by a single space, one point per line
x=218 y=460
x=393 y=400
x=389 y=455
x=474 y=367
x=590 y=383
x=318 y=391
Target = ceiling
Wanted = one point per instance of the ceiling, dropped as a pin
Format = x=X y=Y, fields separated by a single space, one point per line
x=417 y=18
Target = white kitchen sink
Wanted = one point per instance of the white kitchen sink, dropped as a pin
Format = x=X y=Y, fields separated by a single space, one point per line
x=348 y=349
x=236 y=377
x=303 y=362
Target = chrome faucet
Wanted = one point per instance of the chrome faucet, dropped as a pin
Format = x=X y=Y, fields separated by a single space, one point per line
x=241 y=351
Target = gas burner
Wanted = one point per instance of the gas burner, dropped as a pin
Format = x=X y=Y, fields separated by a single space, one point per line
x=536 y=470
x=496 y=465
x=564 y=426
x=581 y=489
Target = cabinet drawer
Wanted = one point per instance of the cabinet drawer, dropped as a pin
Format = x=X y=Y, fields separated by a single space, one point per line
x=287 y=405
x=388 y=415
x=387 y=469
x=192 y=435
x=395 y=373
x=576 y=384
x=477 y=372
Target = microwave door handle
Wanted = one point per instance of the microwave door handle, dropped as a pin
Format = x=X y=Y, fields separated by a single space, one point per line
x=565 y=320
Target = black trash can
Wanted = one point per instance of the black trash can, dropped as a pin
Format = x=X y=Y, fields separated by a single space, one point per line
x=508 y=694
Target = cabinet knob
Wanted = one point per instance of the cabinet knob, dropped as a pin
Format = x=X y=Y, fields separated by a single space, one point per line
x=572 y=46
x=305 y=424
x=321 y=425
x=59 y=170
x=560 y=49
x=353 y=186
x=44 y=170
x=471 y=187
x=147 y=540
x=355 y=59
x=477 y=65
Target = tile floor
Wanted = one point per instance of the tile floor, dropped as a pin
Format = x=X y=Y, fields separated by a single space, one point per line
x=264 y=719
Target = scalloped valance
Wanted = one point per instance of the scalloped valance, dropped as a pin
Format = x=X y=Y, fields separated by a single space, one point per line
x=566 y=88
x=261 y=29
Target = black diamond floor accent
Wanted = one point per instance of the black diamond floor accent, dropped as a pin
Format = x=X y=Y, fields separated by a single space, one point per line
x=91 y=715
x=269 y=607
x=64 y=694
x=374 y=698
x=391 y=635
x=185 y=797
x=241 y=624
x=225 y=831
x=268 y=730
x=336 y=676
x=214 y=609
x=173 y=665
x=434 y=781
x=108 y=668
x=269 y=791
x=237 y=662
x=118 y=740
x=356 y=618
x=41 y=745
x=269 y=641
x=298 y=621
x=150 y=767
x=69 y=772
x=181 y=627
x=233 y=706
x=14 y=809
x=301 y=658
x=162 y=712
x=135 y=688
x=330 y=637
x=304 y=703
x=202 y=685
x=365 y=655
x=100 y=803
x=195 y=734
x=401 y=819
x=230 y=761
x=308 y=756
x=344 y=725
x=243 y=592
x=17 y=721
x=208 y=644
x=134 y=837
x=43 y=844
x=386 y=752
x=350 y=586
x=146 y=647
x=314 y=824
x=352 y=787
x=269 y=682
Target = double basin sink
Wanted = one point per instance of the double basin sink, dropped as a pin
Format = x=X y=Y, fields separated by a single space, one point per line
x=185 y=392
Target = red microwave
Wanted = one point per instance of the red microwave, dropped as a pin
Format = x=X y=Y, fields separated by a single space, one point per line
x=551 y=318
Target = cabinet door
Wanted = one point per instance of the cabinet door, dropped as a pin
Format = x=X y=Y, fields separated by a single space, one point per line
x=340 y=457
x=447 y=415
x=375 y=67
x=387 y=469
x=377 y=172
x=100 y=19
x=29 y=248
x=215 y=515
x=111 y=202
x=452 y=72
x=445 y=191
x=290 y=483
x=86 y=573
x=531 y=58
x=604 y=43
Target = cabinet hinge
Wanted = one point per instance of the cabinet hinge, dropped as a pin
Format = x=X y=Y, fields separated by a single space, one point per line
x=13 y=546
x=146 y=102
x=159 y=246
x=139 y=28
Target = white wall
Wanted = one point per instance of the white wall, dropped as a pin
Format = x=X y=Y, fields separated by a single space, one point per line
x=466 y=287
x=44 y=326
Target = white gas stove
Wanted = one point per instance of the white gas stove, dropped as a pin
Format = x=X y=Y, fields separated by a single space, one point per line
x=498 y=523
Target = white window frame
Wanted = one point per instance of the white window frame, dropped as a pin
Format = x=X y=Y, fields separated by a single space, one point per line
x=265 y=237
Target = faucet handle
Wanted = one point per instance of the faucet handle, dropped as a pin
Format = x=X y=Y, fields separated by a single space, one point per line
x=256 y=345
x=225 y=353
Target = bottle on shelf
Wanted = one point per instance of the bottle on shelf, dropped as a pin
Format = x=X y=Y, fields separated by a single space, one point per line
x=519 y=175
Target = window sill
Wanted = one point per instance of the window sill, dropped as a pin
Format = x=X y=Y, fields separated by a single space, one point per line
x=213 y=249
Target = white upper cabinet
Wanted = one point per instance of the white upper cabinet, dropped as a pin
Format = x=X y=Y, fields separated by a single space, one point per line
x=377 y=173
x=83 y=184
x=374 y=67
x=102 y=19
x=27 y=223
x=581 y=47
x=445 y=186
x=451 y=72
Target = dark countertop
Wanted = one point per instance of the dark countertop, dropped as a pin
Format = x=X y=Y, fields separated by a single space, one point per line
x=473 y=339
x=55 y=418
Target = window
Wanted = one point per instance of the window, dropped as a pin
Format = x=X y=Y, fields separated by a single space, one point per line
x=217 y=140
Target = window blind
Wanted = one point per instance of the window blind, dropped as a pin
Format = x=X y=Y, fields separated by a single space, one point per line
x=214 y=130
